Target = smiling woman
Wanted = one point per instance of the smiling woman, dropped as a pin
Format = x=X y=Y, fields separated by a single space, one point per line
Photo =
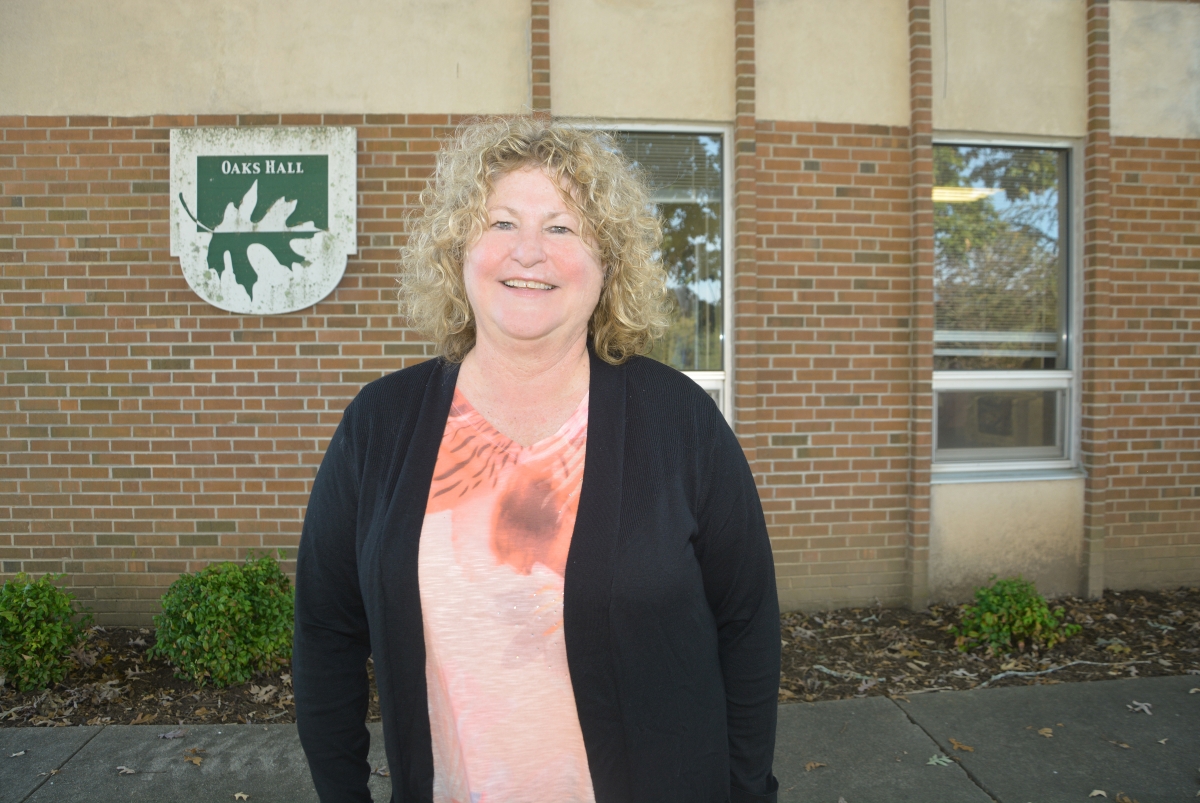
x=551 y=545
x=531 y=275
x=614 y=215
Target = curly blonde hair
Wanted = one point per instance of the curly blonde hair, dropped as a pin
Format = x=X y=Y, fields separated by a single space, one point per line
x=611 y=199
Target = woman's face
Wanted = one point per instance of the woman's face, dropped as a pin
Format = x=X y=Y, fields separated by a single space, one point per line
x=531 y=278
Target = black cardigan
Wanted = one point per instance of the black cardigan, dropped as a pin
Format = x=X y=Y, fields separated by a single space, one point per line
x=670 y=613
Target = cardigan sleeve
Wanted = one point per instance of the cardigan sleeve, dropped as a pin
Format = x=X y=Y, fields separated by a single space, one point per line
x=331 y=643
x=739 y=582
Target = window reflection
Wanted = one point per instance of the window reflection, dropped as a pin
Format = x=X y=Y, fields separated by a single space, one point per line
x=684 y=171
x=999 y=258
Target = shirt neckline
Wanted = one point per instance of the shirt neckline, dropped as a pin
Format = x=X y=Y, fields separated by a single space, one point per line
x=475 y=419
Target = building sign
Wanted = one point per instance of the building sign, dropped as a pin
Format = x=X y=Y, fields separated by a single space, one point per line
x=262 y=219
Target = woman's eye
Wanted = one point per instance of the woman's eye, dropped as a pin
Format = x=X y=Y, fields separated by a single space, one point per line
x=504 y=225
x=559 y=230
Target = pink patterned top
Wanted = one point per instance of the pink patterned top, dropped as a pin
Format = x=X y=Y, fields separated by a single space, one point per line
x=492 y=557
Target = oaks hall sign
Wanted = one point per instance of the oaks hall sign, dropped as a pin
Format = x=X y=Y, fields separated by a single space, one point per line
x=262 y=219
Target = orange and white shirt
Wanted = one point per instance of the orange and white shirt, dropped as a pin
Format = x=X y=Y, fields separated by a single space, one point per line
x=492 y=557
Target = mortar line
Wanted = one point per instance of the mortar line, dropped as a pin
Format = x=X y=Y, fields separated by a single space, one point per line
x=35 y=789
x=961 y=766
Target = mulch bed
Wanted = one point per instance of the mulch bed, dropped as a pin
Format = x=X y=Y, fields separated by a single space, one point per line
x=863 y=652
x=853 y=652
x=113 y=683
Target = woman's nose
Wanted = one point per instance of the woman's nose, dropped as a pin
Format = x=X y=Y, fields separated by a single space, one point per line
x=529 y=248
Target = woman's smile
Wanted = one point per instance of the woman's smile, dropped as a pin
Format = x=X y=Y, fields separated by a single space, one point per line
x=527 y=284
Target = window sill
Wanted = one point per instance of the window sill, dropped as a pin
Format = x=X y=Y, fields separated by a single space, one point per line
x=946 y=475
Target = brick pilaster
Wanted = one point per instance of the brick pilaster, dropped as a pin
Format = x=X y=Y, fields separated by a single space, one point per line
x=747 y=320
x=1097 y=320
x=539 y=56
x=922 y=321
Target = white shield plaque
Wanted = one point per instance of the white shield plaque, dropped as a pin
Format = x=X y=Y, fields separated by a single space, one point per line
x=262 y=219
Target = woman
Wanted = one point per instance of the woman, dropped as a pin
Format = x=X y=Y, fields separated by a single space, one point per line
x=552 y=547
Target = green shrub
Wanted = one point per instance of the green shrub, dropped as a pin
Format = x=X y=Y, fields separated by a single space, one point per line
x=1010 y=613
x=38 y=630
x=226 y=622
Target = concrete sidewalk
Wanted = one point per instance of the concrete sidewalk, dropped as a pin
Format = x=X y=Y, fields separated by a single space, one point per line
x=1031 y=744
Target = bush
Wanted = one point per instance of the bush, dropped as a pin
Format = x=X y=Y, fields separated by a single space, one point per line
x=37 y=631
x=226 y=622
x=1010 y=613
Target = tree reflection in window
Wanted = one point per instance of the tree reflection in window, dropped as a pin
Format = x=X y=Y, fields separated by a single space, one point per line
x=999 y=258
x=685 y=172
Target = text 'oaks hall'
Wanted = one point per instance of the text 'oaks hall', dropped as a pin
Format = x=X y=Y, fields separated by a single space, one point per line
x=258 y=166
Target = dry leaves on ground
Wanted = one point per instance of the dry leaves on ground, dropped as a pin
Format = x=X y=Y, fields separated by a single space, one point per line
x=113 y=683
x=862 y=652
x=852 y=652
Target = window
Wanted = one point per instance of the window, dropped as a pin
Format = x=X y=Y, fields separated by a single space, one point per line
x=1003 y=376
x=687 y=173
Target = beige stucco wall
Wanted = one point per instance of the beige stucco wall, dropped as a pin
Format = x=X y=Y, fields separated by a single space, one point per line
x=840 y=62
x=135 y=57
x=1155 y=69
x=642 y=59
x=1010 y=66
x=1034 y=529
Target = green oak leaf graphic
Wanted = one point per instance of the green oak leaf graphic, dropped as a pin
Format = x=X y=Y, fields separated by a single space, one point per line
x=237 y=232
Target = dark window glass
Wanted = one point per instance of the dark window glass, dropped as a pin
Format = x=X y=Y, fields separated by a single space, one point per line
x=685 y=171
x=999 y=258
x=999 y=424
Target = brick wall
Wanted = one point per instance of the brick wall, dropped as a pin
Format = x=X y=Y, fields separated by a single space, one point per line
x=834 y=297
x=143 y=432
x=1153 y=510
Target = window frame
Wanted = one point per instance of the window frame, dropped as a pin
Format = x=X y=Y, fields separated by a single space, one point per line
x=723 y=380
x=1066 y=380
